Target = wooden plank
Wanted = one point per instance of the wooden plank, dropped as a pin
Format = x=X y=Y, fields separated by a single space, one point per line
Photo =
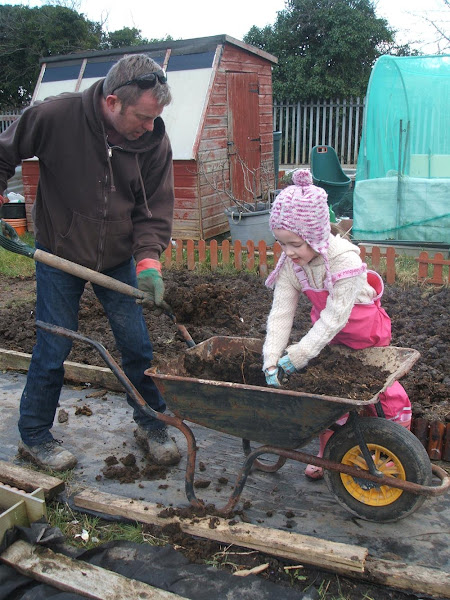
x=328 y=555
x=75 y=372
x=344 y=559
x=413 y=578
x=30 y=481
x=71 y=575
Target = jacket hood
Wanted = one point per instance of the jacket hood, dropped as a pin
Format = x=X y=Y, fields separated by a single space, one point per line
x=339 y=245
x=91 y=103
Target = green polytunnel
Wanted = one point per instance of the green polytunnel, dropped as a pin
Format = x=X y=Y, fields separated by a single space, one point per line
x=402 y=182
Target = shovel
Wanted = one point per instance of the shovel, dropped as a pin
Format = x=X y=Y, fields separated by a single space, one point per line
x=11 y=241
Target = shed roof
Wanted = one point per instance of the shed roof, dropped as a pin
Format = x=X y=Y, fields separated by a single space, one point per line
x=190 y=65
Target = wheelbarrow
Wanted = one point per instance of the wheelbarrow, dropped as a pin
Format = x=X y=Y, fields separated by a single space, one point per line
x=375 y=468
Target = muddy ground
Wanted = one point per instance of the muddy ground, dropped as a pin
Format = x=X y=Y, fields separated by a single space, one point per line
x=210 y=305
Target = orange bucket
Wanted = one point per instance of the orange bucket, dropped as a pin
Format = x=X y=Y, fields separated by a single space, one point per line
x=20 y=225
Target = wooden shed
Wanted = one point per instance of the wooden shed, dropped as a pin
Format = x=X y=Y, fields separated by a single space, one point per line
x=220 y=122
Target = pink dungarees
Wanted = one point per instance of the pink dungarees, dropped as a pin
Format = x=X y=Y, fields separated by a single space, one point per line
x=368 y=326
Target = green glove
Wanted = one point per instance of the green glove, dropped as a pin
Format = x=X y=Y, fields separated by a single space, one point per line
x=150 y=280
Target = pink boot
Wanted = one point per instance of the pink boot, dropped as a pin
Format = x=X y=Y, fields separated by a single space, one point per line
x=311 y=471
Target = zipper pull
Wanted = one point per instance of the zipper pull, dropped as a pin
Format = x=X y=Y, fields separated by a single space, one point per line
x=110 y=152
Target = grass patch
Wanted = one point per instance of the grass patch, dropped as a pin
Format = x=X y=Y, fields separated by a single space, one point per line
x=87 y=531
x=16 y=265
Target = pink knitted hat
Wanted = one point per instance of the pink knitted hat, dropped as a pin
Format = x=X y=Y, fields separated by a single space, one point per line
x=303 y=209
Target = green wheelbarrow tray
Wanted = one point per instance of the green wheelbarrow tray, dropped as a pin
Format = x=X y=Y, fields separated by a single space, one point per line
x=268 y=415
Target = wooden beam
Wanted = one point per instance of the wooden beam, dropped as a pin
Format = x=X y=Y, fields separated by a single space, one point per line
x=414 y=578
x=329 y=555
x=75 y=372
x=345 y=559
x=29 y=480
x=72 y=575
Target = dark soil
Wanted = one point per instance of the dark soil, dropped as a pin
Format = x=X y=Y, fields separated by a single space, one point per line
x=328 y=374
x=210 y=305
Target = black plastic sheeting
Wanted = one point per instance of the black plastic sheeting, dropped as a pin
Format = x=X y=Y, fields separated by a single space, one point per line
x=161 y=567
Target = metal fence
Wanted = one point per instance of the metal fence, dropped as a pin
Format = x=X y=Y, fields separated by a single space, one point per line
x=336 y=123
x=8 y=117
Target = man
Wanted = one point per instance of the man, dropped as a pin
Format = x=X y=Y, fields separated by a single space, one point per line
x=105 y=200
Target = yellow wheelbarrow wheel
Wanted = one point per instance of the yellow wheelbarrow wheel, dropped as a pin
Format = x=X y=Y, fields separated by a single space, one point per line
x=396 y=453
x=386 y=462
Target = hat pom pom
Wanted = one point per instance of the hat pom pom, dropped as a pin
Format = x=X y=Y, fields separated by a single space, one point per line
x=302 y=177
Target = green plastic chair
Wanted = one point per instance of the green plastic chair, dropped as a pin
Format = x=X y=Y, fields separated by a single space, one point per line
x=327 y=173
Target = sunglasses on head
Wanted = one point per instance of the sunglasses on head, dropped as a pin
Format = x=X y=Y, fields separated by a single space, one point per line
x=145 y=82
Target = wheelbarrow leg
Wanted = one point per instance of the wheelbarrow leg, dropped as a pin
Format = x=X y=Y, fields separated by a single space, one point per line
x=245 y=471
x=191 y=457
x=132 y=391
x=262 y=466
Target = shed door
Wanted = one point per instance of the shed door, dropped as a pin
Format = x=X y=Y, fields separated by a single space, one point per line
x=244 y=142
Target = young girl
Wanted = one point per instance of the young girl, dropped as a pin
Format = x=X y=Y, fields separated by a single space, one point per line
x=345 y=296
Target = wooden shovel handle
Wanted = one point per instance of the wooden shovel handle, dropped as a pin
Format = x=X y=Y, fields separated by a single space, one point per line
x=89 y=274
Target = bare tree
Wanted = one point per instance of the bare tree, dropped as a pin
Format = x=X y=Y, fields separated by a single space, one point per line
x=441 y=28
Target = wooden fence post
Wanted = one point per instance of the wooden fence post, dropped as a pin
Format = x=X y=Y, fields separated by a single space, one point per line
x=376 y=257
x=238 y=255
x=179 y=253
x=363 y=252
x=250 y=255
x=276 y=253
x=263 y=268
x=390 y=265
x=168 y=256
x=226 y=252
x=423 y=265
x=190 y=255
x=213 y=254
x=201 y=252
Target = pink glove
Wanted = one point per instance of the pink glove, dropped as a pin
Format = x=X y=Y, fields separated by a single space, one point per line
x=2 y=200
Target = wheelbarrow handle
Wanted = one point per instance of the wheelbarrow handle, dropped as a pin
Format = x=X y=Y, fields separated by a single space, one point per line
x=11 y=241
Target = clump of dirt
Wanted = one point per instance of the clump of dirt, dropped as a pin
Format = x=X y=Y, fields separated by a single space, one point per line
x=129 y=472
x=83 y=411
x=328 y=374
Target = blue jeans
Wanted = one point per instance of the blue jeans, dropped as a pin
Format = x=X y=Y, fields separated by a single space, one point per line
x=57 y=302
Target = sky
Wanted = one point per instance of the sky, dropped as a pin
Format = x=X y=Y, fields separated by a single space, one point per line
x=184 y=19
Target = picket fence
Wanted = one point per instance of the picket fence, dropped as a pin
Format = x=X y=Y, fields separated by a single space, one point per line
x=261 y=258
x=7 y=118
